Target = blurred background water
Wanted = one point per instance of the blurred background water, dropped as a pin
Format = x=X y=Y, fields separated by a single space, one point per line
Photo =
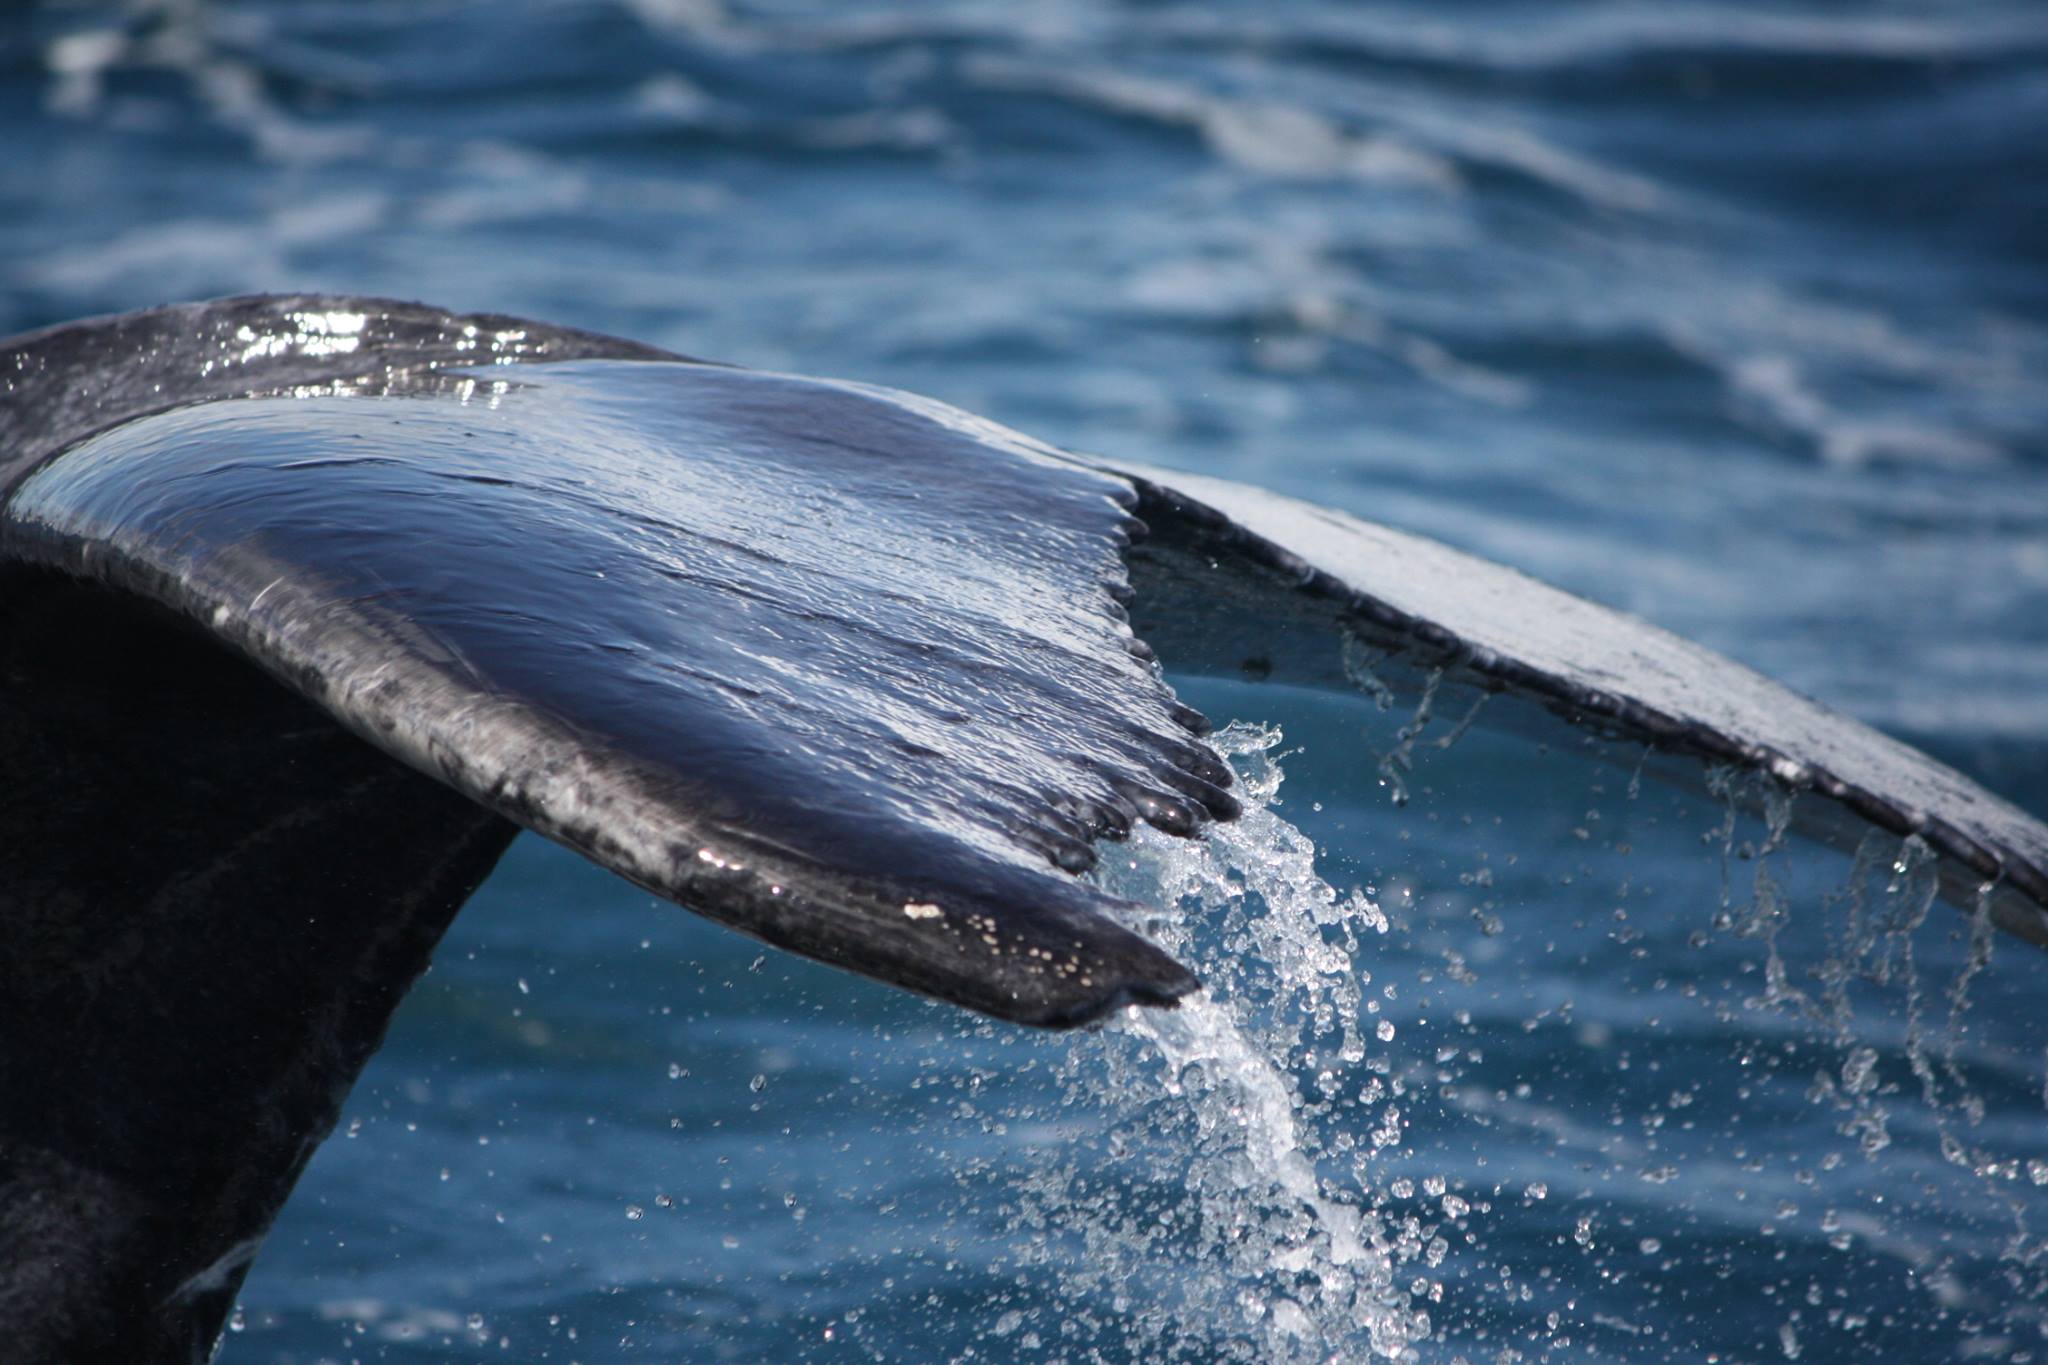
x=1731 y=315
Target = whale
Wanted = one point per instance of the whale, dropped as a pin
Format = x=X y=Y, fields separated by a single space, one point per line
x=310 y=603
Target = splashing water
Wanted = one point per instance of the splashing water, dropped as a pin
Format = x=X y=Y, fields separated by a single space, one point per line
x=1254 y=1238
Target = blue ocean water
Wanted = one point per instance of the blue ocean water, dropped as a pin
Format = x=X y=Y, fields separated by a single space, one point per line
x=1734 y=316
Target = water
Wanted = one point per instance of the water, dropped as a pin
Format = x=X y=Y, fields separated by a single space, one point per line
x=1729 y=315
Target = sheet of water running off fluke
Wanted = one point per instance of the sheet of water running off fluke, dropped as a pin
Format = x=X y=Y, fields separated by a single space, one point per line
x=1727 y=315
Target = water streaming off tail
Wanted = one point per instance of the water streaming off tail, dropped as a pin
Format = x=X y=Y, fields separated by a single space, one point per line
x=1255 y=1232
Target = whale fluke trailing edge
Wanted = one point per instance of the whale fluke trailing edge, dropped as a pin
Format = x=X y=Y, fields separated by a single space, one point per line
x=307 y=603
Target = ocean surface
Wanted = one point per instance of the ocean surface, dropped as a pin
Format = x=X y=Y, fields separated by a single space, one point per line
x=1734 y=316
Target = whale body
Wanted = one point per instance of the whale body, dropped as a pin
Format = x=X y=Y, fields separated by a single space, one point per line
x=309 y=603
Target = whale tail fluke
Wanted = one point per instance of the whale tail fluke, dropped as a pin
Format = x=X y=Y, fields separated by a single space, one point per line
x=308 y=603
